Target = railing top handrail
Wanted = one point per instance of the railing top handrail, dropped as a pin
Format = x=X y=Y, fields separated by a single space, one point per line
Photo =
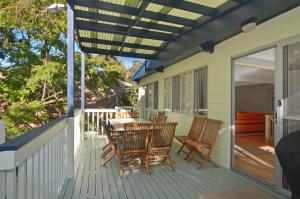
x=117 y=107
x=100 y=110
x=24 y=139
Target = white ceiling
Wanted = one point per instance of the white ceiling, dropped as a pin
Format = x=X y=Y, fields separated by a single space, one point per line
x=256 y=68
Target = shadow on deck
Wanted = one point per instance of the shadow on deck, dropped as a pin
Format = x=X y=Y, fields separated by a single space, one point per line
x=92 y=180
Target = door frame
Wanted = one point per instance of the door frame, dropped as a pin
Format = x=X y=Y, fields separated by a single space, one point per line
x=232 y=159
x=279 y=96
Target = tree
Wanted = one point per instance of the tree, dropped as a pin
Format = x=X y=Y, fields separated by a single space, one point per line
x=33 y=65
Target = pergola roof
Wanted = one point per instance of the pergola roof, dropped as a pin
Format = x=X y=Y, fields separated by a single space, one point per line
x=141 y=28
x=166 y=31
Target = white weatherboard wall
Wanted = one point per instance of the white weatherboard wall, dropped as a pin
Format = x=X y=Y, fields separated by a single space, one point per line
x=219 y=74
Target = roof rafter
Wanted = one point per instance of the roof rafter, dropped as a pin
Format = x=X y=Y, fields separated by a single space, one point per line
x=187 y=6
x=107 y=28
x=116 y=53
x=118 y=43
x=143 y=7
x=101 y=5
x=126 y=21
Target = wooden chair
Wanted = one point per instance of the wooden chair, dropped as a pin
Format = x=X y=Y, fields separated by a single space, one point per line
x=111 y=147
x=132 y=146
x=205 y=145
x=161 y=140
x=152 y=117
x=194 y=133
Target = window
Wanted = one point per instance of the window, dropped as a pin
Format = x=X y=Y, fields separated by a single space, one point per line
x=151 y=95
x=187 y=93
x=176 y=93
x=167 y=94
x=155 y=95
x=200 y=90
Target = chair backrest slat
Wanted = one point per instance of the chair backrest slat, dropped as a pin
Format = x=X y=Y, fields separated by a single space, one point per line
x=196 y=128
x=210 y=132
x=162 y=134
x=135 y=136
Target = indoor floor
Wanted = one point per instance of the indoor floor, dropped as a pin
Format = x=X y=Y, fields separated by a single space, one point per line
x=255 y=155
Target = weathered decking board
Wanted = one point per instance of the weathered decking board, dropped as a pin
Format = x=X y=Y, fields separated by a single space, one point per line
x=93 y=181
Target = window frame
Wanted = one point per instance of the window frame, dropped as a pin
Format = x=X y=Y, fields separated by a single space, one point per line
x=150 y=103
x=193 y=112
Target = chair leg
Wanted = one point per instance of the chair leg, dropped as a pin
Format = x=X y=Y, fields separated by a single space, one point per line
x=121 y=172
x=103 y=148
x=147 y=165
x=109 y=159
x=178 y=152
x=171 y=163
x=106 y=151
x=190 y=156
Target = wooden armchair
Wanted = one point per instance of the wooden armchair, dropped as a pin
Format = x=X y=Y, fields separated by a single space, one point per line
x=111 y=147
x=194 y=133
x=158 y=117
x=205 y=145
x=161 y=140
x=132 y=146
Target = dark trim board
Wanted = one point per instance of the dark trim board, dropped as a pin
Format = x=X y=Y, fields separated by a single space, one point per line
x=15 y=144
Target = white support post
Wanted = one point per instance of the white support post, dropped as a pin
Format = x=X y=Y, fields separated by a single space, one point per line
x=70 y=93
x=2 y=132
x=82 y=87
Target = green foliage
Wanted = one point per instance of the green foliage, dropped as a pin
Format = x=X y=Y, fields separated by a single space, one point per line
x=128 y=97
x=20 y=117
x=33 y=65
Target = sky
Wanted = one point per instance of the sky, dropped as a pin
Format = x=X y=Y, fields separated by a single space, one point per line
x=127 y=61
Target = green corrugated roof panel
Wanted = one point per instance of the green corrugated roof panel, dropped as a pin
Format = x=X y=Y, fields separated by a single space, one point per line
x=144 y=23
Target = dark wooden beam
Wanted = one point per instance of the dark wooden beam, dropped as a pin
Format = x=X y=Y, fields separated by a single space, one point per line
x=101 y=5
x=116 y=53
x=118 y=43
x=107 y=28
x=126 y=21
x=187 y=6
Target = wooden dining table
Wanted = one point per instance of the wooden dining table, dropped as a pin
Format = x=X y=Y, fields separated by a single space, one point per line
x=117 y=123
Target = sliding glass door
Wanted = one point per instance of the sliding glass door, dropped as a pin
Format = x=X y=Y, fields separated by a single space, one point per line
x=288 y=94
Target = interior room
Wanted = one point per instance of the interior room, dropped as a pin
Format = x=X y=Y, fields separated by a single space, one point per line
x=254 y=110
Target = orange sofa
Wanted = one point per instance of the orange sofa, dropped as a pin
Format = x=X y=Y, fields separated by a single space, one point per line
x=248 y=122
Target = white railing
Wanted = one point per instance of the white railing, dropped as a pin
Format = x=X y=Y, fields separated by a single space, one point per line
x=93 y=119
x=36 y=164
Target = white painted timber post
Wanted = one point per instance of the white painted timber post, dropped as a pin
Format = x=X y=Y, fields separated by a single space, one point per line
x=82 y=87
x=70 y=93
x=2 y=132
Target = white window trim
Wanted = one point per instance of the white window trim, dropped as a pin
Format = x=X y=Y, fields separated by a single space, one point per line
x=171 y=93
x=149 y=108
x=180 y=92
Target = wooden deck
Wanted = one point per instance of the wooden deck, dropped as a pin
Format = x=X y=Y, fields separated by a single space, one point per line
x=95 y=181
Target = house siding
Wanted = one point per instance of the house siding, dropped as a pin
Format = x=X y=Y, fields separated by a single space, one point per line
x=219 y=74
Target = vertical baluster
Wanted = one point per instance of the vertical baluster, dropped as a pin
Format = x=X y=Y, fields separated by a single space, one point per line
x=88 y=122
x=36 y=175
x=98 y=133
x=11 y=184
x=102 y=118
x=106 y=117
x=93 y=122
x=22 y=179
x=55 y=166
x=2 y=184
x=29 y=177
x=41 y=172
x=51 y=169
x=46 y=171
